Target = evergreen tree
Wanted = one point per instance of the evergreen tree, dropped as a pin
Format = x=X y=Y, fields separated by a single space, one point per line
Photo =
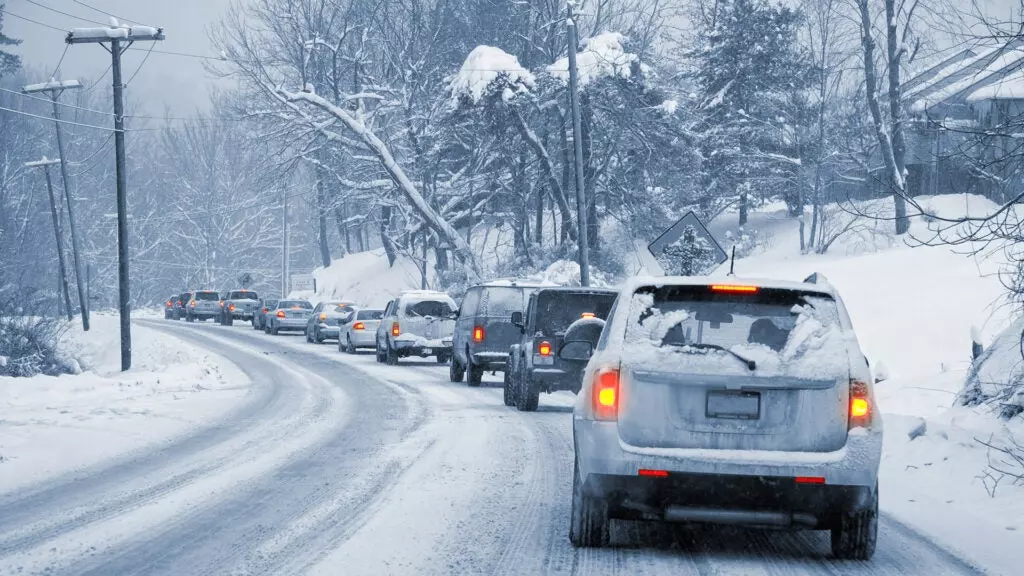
x=8 y=62
x=752 y=77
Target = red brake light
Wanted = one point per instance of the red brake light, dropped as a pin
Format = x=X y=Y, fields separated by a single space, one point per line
x=231 y=308
x=810 y=480
x=544 y=349
x=323 y=317
x=652 y=473
x=281 y=314
x=169 y=303
x=265 y=310
x=588 y=315
x=396 y=330
x=221 y=303
x=359 y=326
x=734 y=288
x=479 y=334
x=192 y=303
x=860 y=405
x=606 y=394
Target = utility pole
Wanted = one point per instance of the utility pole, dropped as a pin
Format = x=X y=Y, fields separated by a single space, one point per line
x=120 y=39
x=284 y=243
x=577 y=141
x=45 y=165
x=55 y=88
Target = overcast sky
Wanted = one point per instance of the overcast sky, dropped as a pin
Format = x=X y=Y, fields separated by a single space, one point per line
x=164 y=82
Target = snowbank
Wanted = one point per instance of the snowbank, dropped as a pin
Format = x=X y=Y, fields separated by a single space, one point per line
x=54 y=425
x=366 y=278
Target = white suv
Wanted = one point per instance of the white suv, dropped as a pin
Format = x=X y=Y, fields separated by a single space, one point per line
x=737 y=402
x=417 y=323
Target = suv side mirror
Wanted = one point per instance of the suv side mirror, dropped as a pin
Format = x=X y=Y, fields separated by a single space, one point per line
x=517 y=319
x=578 y=350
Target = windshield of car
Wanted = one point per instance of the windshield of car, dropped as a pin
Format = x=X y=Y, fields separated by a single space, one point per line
x=369 y=314
x=243 y=295
x=432 y=308
x=295 y=304
x=696 y=328
x=557 y=310
x=207 y=296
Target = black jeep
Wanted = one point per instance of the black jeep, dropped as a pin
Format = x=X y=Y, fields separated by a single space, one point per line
x=534 y=362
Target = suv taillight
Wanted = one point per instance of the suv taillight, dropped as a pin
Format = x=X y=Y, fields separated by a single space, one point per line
x=396 y=330
x=860 y=404
x=606 y=394
x=192 y=303
x=359 y=326
x=479 y=334
x=281 y=314
x=323 y=317
x=221 y=303
x=231 y=308
x=544 y=349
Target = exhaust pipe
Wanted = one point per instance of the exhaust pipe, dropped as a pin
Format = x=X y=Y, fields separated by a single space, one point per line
x=739 y=517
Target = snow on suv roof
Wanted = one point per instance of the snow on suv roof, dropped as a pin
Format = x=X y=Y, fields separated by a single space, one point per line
x=423 y=294
x=819 y=285
x=510 y=282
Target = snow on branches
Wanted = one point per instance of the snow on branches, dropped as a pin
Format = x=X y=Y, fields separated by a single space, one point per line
x=489 y=68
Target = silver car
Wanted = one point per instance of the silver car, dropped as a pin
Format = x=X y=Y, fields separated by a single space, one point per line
x=288 y=315
x=417 y=323
x=325 y=322
x=736 y=403
x=359 y=330
x=205 y=304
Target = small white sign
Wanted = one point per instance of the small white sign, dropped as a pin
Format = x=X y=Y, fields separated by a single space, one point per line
x=303 y=283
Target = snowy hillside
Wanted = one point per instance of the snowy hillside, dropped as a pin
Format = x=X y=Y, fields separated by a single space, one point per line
x=366 y=278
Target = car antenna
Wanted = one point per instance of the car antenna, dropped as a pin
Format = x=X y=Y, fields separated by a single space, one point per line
x=732 y=261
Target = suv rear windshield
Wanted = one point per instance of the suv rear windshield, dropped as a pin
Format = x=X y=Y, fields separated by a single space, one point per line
x=369 y=314
x=556 y=311
x=207 y=296
x=433 y=308
x=502 y=301
x=295 y=304
x=779 y=329
x=185 y=296
x=240 y=295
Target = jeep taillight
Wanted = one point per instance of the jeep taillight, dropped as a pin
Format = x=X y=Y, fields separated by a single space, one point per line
x=396 y=330
x=860 y=404
x=479 y=334
x=606 y=394
x=544 y=349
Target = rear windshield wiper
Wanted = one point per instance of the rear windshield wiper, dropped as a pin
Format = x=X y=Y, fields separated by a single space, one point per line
x=751 y=365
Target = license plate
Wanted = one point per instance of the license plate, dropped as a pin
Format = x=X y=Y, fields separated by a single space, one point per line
x=428 y=351
x=733 y=405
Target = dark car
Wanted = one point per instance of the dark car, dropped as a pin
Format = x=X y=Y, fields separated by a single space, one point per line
x=259 y=317
x=169 y=313
x=534 y=363
x=181 y=304
x=484 y=330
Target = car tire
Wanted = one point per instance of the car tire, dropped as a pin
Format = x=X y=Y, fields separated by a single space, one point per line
x=349 y=346
x=266 y=328
x=442 y=358
x=508 y=384
x=190 y=319
x=589 y=524
x=380 y=355
x=255 y=324
x=229 y=320
x=273 y=330
x=855 y=534
x=391 y=357
x=527 y=394
x=474 y=373
x=456 y=371
x=309 y=339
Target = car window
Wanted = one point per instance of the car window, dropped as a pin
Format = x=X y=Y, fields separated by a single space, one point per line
x=424 y=308
x=556 y=310
x=207 y=296
x=242 y=295
x=776 y=328
x=502 y=301
x=369 y=314
x=295 y=304
x=470 y=303
x=602 y=341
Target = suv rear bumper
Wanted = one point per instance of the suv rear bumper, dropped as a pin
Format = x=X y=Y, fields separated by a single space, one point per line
x=490 y=360
x=419 y=346
x=599 y=451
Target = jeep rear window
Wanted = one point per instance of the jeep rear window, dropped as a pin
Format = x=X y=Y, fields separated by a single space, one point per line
x=432 y=308
x=207 y=296
x=556 y=311
x=243 y=296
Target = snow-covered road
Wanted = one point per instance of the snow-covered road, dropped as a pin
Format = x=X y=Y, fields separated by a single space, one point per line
x=338 y=465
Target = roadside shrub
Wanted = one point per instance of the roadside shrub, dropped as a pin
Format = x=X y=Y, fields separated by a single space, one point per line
x=29 y=334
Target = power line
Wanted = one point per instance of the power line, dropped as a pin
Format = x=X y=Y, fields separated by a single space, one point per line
x=61 y=61
x=45 y=7
x=103 y=12
x=9 y=13
x=184 y=54
x=49 y=119
x=48 y=101
x=141 y=64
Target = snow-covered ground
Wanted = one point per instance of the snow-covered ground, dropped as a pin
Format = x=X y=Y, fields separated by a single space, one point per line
x=51 y=426
x=913 y=309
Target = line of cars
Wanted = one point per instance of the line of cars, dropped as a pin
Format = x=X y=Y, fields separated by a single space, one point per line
x=697 y=401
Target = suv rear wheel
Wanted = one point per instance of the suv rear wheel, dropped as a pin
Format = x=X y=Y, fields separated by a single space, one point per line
x=855 y=534
x=527 y=394
x=476 y=374
x=391 y=357
x=229 y=319
x=589 y=525
x=456 y=371
x=509 y=385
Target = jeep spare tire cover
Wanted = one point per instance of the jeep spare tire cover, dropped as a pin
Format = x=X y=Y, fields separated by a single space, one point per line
x=586 y=329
